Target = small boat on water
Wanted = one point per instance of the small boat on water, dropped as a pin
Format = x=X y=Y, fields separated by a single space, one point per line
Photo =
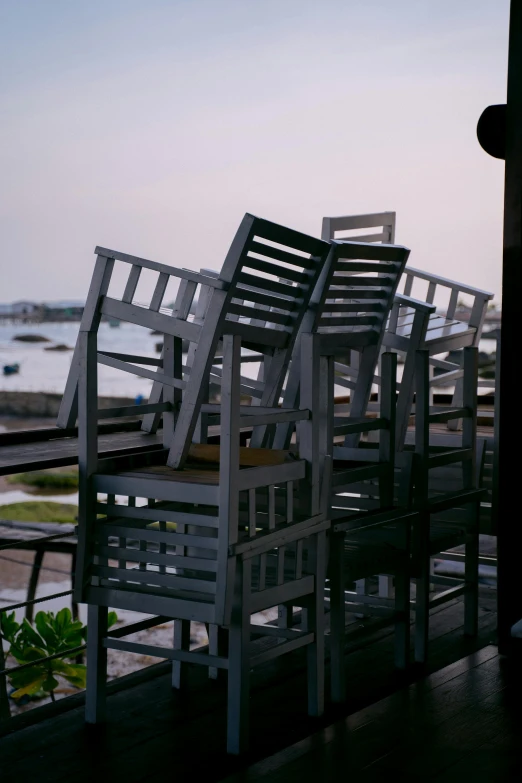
x=11 y=369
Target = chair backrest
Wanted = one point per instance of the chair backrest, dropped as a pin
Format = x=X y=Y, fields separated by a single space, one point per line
x=260 y=254
x=352 y=304
x=349 y=309
x=349 y=227
x=151 y=315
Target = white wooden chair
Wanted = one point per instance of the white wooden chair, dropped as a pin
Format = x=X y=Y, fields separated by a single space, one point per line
x=223 y=516
x=370 y=532
x=447 y=498
x=211 y=545
x=415 y=324
x=252 y=268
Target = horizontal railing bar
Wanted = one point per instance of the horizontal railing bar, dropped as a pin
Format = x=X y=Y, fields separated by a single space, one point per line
x=30 y=542
x=38 y=661
x=142 y=625
x=36 y=600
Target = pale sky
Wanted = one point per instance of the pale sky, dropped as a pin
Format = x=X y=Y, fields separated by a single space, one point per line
x=152 y=127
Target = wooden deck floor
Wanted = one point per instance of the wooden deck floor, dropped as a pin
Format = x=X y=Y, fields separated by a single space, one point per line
x=462 y=724
x=154 y=734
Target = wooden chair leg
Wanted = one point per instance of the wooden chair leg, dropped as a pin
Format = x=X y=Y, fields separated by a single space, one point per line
x=405 y=400
x=402 y=624
x=239 y=663
x=285 y=616
x=422 y=610
x=362 y=587
x=386 y=586
x=363 y=387
x=337 y=618
x=217 y=645
x=471 y=575
x=181 y=642
x=96 y=692
x=315 y=651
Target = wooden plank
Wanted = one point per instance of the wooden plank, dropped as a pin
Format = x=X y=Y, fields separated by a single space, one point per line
x=367 y=252
x=279 y=537
x=268 y=286
x=286 y=303
x=164 y=490
x=157 y=558
x=280 y=417
x=252 y=312
x=132 y=283
x=134 y=410
x=126 y=357
x=295 y=240
x=164 y=652
x=281 y=255
x=167 y=380
x=290 y=591
x=301 y=278
x=277 y=474
x=276 y=338
x=152 y=604
x=356 y=320
x=159 y=536
x=354 y=222
x=141 y=315
x=61 y=452
x=131 y=575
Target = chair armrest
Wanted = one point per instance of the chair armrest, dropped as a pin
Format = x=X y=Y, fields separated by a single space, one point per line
x=281 y=535
x=415 y=304
x=431 y=278
x=184 y=274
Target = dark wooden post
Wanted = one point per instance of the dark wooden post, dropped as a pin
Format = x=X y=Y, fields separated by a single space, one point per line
x=509 y=528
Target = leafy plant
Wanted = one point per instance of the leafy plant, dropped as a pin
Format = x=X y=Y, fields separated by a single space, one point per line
x=51 y=634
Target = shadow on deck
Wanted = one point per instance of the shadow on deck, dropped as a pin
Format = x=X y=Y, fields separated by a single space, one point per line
x=153 y=733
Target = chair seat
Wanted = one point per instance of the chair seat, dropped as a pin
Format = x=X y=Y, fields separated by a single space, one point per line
x=202 y=466
x=440 y=330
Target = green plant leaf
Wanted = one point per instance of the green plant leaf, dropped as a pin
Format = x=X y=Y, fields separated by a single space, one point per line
x=22 y=678
x=8 y=626
x=63 y=620
x=76 y=674
x=27 y=654
x=112 y=619
x=46 y=631
x=30 y=635
x=30 y=689
x=50 y=683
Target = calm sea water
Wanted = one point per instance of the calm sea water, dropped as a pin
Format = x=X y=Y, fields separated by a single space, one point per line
x=42 y=370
